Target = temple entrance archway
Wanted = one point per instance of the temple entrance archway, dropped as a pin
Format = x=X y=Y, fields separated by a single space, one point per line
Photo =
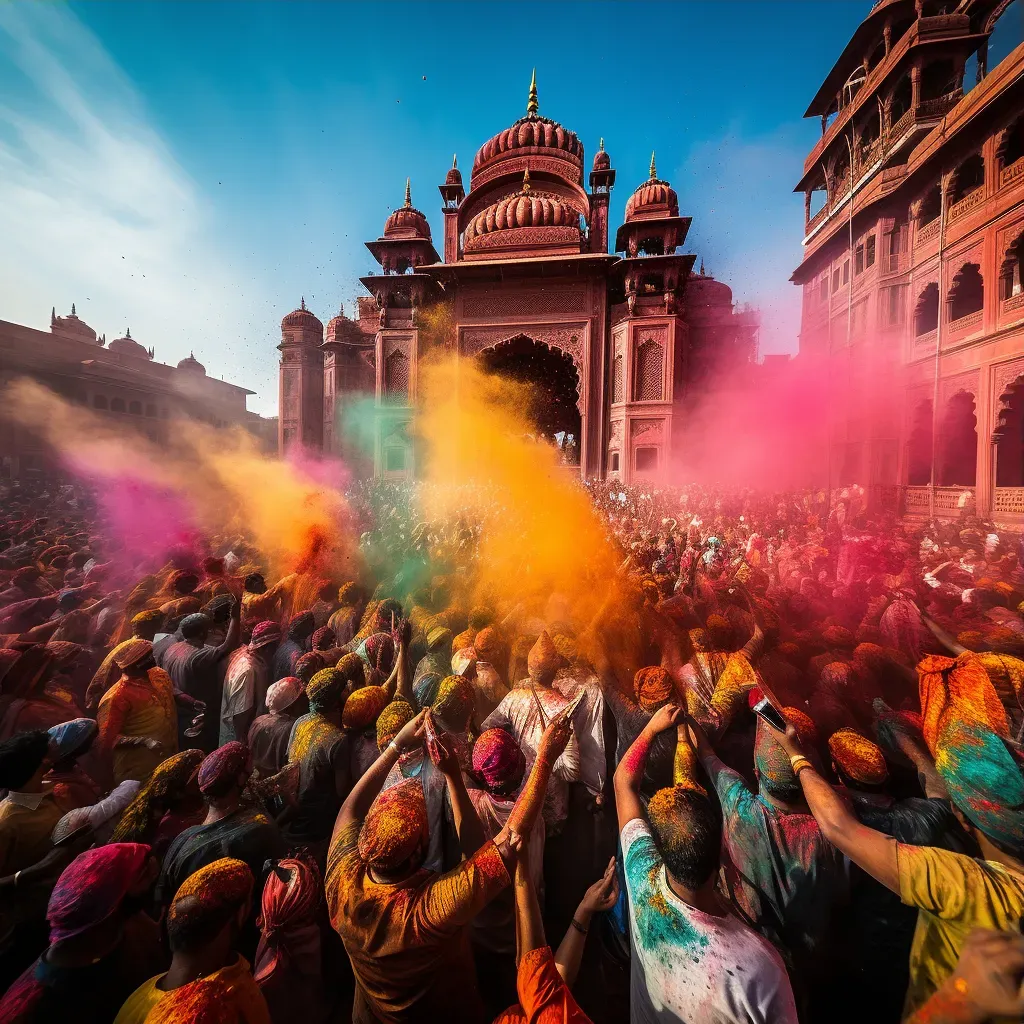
x=959 y=440
x=1010 y=450
x=554 y=379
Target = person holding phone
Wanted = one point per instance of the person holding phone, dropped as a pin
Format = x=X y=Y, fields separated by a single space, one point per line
x=780 y=871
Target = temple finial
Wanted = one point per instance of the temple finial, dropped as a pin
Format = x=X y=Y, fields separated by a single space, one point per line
x=128 y=332
x=532 y=106
x=302 y=304
x=702 y=266
x=53 y=315
x=73 y=309
x=455 y=159
x=526 y=180
x=408 y=194
x=654 y=171
x=601 y=147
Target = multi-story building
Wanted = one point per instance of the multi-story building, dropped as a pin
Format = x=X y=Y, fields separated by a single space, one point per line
x=120 y=381
x=618 y=343
x=913 y=308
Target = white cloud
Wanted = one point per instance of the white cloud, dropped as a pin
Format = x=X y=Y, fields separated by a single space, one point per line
x=743 y=227
x=94 y=209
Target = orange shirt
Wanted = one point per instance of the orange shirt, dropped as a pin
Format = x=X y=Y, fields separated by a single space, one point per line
x=132 y=708
x=407 y=942
x=544 y=997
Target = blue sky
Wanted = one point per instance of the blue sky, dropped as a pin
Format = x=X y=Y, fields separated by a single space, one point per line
x=190 y=170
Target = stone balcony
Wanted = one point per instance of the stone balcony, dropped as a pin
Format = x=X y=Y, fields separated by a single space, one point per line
x=971 y=201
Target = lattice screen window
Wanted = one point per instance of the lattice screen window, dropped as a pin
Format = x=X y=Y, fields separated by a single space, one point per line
x=650 y=372
x=617 y=382
x=396 y=376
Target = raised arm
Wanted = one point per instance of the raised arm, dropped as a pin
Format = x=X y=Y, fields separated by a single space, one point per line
x=872 y=851
x=234 y=630
x=531 y=799
x=467 y=824
x=630 y=772
x=364 y=792
x=599 y=897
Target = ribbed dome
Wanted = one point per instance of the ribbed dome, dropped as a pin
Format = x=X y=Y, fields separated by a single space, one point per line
x=192 y=365
x=302 y=317
x=531 y=134
x=528 y=208
x=128 y=346
x=650 y=195
x=601 y=159
x=454 y=175
x=340 y=328
x=654 y=198
x=406 y=221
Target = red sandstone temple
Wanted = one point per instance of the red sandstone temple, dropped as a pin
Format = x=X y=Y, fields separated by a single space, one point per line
x=913 y=248
x=618 y=342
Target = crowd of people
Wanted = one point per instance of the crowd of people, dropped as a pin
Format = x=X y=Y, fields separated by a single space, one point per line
x=776 y=777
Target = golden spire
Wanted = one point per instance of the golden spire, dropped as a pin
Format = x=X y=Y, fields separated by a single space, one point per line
x=408 y=194
x=654 y=172
x=526 y=180
x=532 y=106
x=601 y=147
x=455 y=159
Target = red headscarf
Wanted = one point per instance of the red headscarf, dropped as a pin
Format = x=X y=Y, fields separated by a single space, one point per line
x=92 y=887
x=290 y=897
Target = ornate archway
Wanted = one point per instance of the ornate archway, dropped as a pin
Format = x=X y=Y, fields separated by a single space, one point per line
x=554 y=379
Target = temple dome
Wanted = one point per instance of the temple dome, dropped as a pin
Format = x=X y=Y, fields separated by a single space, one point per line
x=601 y=159
x=341 y=329
x=128 y=346
x=192 y=365
x=527 y=208
x=532 y=134
x=653 y=198
x=302 y=317
x=406 y=221
x=454 y=175
x=71 y=326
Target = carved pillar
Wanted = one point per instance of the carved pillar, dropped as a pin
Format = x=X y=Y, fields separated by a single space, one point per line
x=451 y=235
x=807 y=208
x=887 y=37
x=984 y=479
x=915 y=85
x=599 y=222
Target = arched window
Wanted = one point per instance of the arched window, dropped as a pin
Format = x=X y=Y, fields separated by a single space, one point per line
x=919 y=452
x=649 y=382
x=841 y=173
x=1011 y=145
x=969 y=176
x=613 y=462
x=1010 y=451
x=117 y=405
x=100 y=402
x=926 y=312
x=967 y=295
x=1010 y=272
x=939 y=78
x=931 y=206
x=135 y=408
x=902 y=97
x=618 y=387
x=958 y=437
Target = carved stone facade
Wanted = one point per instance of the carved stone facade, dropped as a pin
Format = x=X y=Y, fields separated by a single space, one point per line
x=934 y=267
x=526 y=268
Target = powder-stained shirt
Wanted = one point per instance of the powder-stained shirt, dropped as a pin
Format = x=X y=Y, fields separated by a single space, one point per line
x=692 y=967
x=245 y=693
x=246 y=999
x=322 y=751
x=953 y=894
x=133 y=708
x=518 y=712
x=407 y=941
x=780 y=873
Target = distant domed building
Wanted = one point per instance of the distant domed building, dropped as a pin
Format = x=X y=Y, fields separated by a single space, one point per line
x=527 y=286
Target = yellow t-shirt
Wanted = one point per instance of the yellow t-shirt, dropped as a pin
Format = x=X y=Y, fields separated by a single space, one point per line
x=953 y=894
x=248 y=999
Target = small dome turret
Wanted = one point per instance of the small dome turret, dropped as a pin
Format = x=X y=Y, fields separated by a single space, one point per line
x=406 y=221
x=192 y=365
x=128 y=346
x=653 y=198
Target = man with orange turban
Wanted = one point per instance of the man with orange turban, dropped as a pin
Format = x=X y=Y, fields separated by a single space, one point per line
x=403 y=927
x=984 y=774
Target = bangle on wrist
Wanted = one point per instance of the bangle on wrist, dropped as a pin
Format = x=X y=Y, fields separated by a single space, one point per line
x=579 y=927
x=17 y=875
x=395 y=747
x=798 y=763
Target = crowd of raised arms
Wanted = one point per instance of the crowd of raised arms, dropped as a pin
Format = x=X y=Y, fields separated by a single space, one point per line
x=778 y=778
